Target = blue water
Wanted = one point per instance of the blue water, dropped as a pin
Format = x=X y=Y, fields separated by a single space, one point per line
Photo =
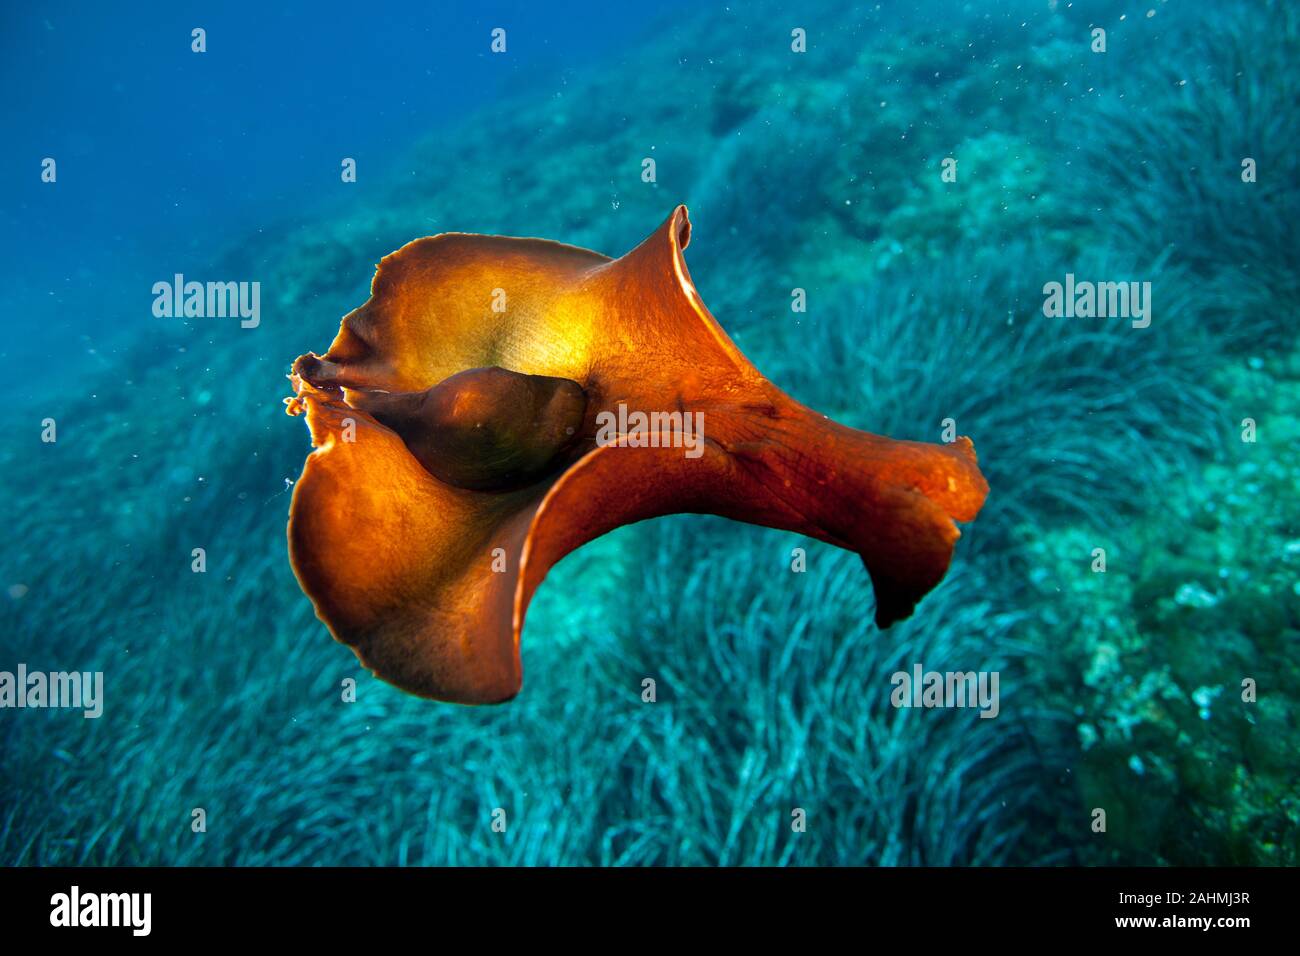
x=1172 y=448
x=166 y=157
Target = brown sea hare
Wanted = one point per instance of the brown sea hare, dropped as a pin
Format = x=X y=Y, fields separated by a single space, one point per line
x=456 y=419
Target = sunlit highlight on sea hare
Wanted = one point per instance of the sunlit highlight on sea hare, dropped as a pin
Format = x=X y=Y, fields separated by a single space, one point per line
x=455 y=422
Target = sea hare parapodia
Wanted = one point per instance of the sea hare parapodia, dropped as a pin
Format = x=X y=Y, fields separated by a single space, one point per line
x=452 y=438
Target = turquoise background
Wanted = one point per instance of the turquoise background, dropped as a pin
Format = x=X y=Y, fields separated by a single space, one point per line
x=822 y=170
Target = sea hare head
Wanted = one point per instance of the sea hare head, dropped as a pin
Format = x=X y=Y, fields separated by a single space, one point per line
x=484 y=428
x=466 y=422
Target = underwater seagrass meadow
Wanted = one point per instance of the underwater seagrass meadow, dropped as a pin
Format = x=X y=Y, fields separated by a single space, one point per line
x=823 y=171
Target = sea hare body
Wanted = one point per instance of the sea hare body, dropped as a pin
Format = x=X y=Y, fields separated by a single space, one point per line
x=485 y=428
x=462 y=421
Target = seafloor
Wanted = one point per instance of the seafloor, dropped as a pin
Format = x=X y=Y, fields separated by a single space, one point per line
x=1120 y=690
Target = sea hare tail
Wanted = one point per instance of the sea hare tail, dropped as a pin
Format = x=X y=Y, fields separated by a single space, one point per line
x=893 y=502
